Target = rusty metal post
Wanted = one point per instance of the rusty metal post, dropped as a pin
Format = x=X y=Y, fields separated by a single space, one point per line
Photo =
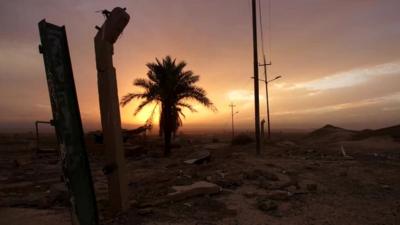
x=107 y=34
x=67 y=123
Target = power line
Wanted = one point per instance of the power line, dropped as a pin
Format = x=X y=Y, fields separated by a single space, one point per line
x=261 y=28
x=269 y=30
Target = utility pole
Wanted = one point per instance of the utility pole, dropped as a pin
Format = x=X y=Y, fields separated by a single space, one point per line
x=233 y=129
x=255 y=66
x=266 y=93
x=115 y=169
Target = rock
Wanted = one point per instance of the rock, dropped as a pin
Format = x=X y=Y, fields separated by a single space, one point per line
x=195 y=189
x=266 y=204
x=278 y=195
x=308 y=185
x=21 y=162
x=230 y=181
x=199 y=157
x=249 y=194
x=145 y=211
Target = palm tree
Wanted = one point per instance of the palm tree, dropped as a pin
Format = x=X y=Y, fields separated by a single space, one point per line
x=169 y=86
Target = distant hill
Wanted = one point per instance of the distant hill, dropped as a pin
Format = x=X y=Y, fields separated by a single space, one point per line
x=330 y=133
x=393 y=131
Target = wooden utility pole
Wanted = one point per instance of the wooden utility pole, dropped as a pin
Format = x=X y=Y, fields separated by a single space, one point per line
x=255 y=66
x=233 y=129
x=115 y=169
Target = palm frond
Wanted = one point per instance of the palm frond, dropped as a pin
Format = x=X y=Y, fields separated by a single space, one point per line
x=129 y=97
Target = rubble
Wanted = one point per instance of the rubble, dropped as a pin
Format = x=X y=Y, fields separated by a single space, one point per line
x=195 y=189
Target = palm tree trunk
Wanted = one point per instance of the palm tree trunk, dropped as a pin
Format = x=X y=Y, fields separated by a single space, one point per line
x=167 y=129
x=167 y=143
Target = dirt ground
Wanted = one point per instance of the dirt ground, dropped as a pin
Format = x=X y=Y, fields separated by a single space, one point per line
x=293 y=181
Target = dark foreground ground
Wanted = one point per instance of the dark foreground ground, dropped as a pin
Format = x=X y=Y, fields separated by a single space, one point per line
x=294 y=181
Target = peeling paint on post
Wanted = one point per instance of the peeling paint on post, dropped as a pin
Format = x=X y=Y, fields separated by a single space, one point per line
x=104 y=40
x=67 y=122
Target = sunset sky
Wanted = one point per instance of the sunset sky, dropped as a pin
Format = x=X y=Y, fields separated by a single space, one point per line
x=340 y=60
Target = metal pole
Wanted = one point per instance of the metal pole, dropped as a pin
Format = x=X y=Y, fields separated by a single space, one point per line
x=267 y=97
x=233 y=129
x=255 y=65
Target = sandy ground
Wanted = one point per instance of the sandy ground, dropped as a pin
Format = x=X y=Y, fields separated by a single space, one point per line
x=291 y=182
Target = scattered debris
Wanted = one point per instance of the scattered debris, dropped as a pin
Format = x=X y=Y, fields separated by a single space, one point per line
x=344 y=154
x=230 y=181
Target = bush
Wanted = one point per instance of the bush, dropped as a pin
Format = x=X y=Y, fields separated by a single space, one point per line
x=242 y=139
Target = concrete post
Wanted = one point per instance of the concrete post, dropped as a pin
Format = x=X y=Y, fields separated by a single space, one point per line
x=107 y=35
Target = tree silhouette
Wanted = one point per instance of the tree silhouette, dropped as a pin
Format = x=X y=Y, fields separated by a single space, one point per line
x=171 y=87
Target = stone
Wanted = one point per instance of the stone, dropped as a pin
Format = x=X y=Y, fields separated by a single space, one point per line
x=249 y=194
x=195 y=189
x=308 y=185
x=145 y=211
x=266 y=204
x=278 y=195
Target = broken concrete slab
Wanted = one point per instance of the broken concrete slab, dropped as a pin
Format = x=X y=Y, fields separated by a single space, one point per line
x=195 y=189
x=199 y=157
